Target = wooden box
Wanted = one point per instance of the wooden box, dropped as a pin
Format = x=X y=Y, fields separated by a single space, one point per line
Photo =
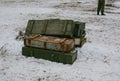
x=49 y=42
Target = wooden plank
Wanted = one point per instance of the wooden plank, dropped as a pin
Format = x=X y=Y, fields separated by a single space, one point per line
x=49 y=42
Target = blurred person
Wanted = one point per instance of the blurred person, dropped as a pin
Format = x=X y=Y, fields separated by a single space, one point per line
x=101 y=4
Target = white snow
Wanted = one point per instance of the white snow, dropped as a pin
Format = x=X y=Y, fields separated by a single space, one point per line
x=98 y=59
x=117 y=4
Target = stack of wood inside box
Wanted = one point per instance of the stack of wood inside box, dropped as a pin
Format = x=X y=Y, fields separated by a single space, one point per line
x=50 y=43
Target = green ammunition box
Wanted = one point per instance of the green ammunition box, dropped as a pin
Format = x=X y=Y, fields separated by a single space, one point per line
x=55 y=27
x=62 y=57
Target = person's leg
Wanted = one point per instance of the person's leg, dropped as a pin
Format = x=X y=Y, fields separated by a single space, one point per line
x=102 y=8
x=99 y=8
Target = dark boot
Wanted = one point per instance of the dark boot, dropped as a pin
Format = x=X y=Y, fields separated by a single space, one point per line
x=103 y=14
x=97 y=13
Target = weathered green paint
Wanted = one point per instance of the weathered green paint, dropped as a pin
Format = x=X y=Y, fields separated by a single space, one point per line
x=66 y=58
x=55 y=27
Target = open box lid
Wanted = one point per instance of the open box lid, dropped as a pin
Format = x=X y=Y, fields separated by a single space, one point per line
x=55 y=27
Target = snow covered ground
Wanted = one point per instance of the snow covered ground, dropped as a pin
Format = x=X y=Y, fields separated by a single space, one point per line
x=98 y=59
